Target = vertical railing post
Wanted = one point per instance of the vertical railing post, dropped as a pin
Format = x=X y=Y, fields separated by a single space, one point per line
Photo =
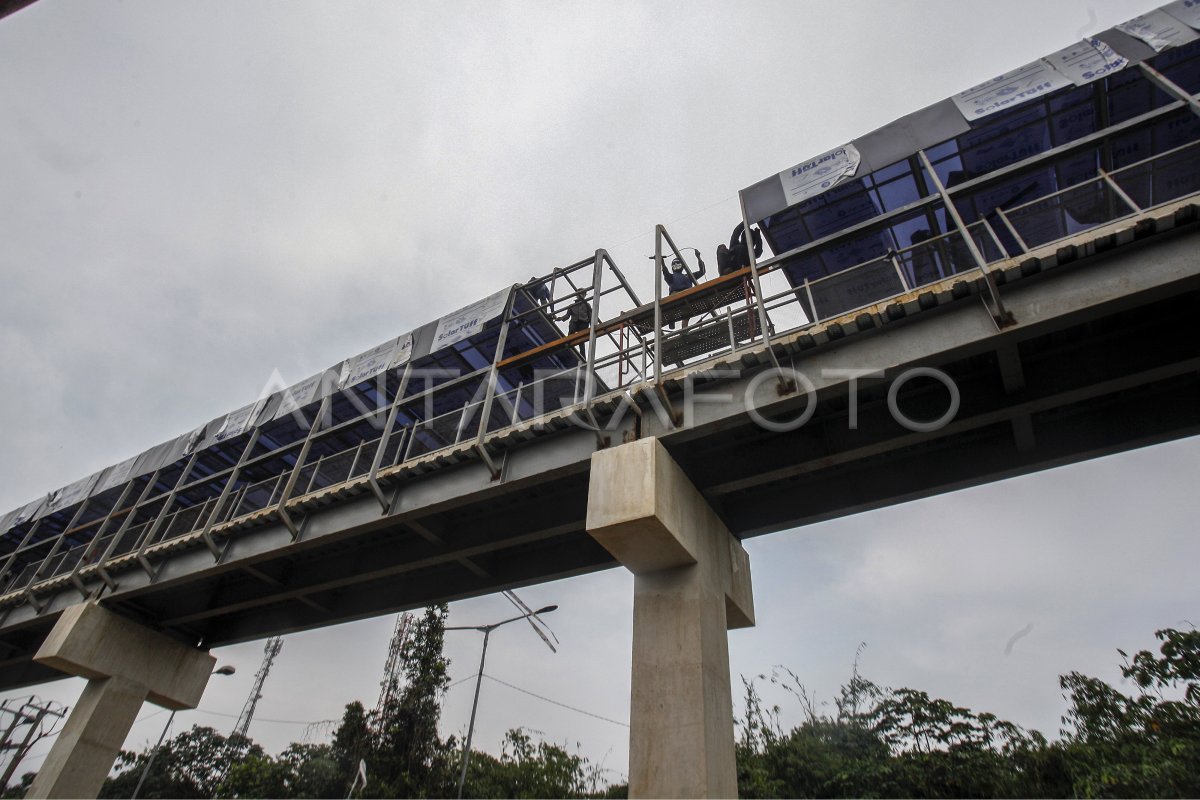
x=385 y=437
x=811 y=303
x=995 y=237
x=1000 y=315
x=120 y=534
x=92 y=545
x=952 y=210
x=658 y=281
x=1112 y=184
x=281 y=507
x=206 y=533
x=170 y=501
x=589 y=386
x=763 y=321
x=316 y=473
x=516 y=414
x=412 y=438
x=462 y=422
x=1012 y=231
x=58 y=543
x=274 y=489
x=493 y=378
x=170 y=532
x=163 y=512
x=1170 y=87
x=622 y=356
x=235 y=505
x=405 y=433
x=899 y=270
x=354 y=461
x=24 y=541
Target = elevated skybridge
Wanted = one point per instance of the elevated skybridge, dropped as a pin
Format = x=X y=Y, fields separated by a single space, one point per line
x=1043 y=257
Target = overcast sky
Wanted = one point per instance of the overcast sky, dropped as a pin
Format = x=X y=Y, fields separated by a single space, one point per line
x=195 y=194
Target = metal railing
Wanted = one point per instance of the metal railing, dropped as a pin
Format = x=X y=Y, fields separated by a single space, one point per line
x=632 y=344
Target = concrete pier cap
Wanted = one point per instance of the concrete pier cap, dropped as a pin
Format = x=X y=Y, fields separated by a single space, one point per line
x=125 y=665
x=691 y=584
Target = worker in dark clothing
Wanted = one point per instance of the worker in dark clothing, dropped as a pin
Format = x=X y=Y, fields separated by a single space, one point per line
x=539 y=291
x=578 y=316
x=679 y=278
x=724 y=260
x=735 y=256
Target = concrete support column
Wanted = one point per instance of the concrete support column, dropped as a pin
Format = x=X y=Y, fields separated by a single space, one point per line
x=692 y=583
x=125 y=664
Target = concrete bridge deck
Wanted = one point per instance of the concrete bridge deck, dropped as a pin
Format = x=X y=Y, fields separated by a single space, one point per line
x=1103 y=356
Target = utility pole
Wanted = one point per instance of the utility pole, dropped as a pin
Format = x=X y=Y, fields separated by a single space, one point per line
x=31 y=712
x=269 y=652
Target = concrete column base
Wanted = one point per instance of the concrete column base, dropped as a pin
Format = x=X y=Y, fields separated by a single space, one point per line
x=125 y=665
x=692 y=583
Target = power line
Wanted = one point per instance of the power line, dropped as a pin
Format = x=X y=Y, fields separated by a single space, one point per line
x=39 y=718
x=677 y=219
x=35 y=757
x=325 y=721
x=60 y=730
x=260 y=719
x=464 y=680
x=288 y=721
x=555 y=702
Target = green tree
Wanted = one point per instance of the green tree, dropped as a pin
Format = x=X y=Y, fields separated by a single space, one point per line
x=302 y=770
x=881 y=742
x=1144 y=745
x=408 y=757
x=526 y=769
x=256 y=776
x=352 y=742
x=191 y=764
x=905 y=743
x=310 y=770
x=404 y=755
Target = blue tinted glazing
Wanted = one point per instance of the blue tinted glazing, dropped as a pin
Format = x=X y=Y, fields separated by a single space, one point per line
x=1001 y=141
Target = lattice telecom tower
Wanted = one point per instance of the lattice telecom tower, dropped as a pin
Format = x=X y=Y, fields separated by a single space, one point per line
x=389 y=687
x=274 y=644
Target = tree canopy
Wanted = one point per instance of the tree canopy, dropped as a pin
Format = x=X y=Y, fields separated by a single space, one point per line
x=870 y=741
x=882 y=742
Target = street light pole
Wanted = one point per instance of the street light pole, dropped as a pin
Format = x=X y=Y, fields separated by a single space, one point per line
x=153 y=754
x=226 y=670
x=462 y=778
x=487 y=632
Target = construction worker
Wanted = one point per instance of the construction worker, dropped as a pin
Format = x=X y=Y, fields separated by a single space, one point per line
x=679 y=278
x=539 y=291
x=578 y=315
x=734 y=257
